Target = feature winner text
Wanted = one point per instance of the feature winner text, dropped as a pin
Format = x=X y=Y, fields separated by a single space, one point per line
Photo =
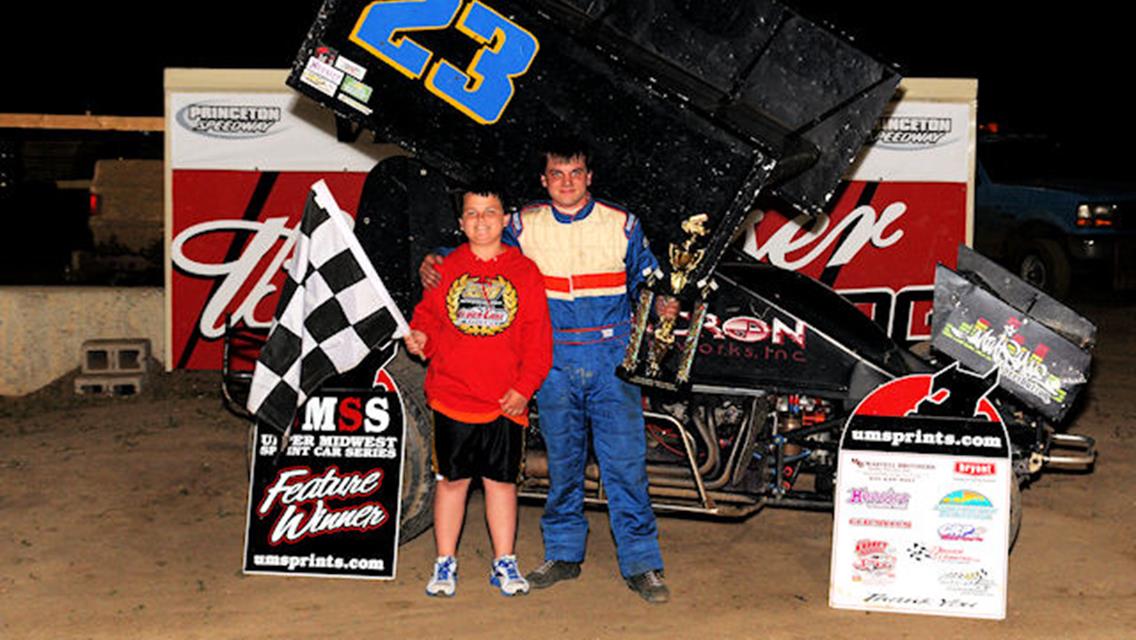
x=305 y=514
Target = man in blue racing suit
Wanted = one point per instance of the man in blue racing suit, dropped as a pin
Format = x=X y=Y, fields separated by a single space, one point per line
x=593 y=256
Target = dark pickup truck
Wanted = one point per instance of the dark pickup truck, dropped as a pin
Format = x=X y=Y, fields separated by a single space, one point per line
x=1055 y=225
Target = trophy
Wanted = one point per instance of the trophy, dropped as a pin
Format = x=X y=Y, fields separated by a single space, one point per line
x=656 y=357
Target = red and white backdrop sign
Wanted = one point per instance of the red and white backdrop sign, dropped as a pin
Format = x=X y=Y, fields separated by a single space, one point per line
x=904 y=207
x=240 y=166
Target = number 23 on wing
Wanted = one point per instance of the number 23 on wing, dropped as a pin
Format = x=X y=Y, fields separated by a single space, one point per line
x=484 y=88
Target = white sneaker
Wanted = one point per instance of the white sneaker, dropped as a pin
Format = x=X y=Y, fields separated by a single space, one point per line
x=444 y=582
x=507 y=577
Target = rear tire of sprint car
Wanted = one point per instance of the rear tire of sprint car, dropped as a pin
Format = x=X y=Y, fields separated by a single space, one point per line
x=1042 y=263
x=1015 y=511
x=417 y=469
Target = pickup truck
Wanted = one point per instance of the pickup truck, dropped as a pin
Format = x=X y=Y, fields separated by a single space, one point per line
x=1054 y=225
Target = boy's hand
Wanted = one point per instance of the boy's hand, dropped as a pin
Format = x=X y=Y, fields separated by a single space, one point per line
x=415 y=342
x=513 y=403
x=428 y=271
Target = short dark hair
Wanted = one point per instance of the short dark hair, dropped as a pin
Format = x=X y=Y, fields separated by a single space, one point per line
x=484 y=187
x=565 y=147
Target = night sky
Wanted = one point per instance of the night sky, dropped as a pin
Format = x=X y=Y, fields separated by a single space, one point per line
x=1039 y=70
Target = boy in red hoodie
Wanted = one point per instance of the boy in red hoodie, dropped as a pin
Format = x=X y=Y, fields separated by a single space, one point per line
x=486 y=334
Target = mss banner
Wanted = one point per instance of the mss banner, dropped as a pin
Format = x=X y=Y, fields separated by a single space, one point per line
x=904 y=207
x=328 y=504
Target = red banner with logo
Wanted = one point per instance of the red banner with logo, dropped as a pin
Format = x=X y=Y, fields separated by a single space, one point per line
x=241 y=164
x=905 y=207
x=230 y=237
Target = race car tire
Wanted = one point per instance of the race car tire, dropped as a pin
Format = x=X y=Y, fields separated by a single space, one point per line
x=1015 y=511
x=1042 y=263
x=417 y=469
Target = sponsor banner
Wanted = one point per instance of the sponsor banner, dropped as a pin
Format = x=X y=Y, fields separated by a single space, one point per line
x=326 y=501
x=1039 y=366
x=918 y=141
x=258 y=131
x=923 y=496
x=904 y=208
x=231 y=232
x=239 y=164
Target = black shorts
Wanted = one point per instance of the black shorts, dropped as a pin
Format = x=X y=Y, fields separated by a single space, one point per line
x=492 y=450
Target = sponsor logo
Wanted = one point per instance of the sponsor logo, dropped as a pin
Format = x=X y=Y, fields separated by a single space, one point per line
x=481 y=306
x=352 y=68
x=880 y=522
x=975 y=468
x=874 y=563
x=910 y=131
x=267 y=235
x=892 y=471
x=229 y=120
x=961 y=532
x=353 y=103
x=325 y=54
x=890 y=499
x=1006 y=349
x=890 y=465
x=321 y=76
x=918 y=436
x=935 y=553
x=749 y=330
x=967 y=504
x=356 y=89
x=346 y=414
x=860 y=228
x=971 y=581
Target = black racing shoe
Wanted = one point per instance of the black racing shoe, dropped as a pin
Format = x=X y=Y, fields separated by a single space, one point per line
x=551 y=572
x=650 y=586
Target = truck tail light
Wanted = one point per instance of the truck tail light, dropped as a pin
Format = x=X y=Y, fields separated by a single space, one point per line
x=1095 y=215
x=93 y=202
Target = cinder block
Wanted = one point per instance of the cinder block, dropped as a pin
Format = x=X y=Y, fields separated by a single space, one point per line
x=126 y=356
x=108 y=385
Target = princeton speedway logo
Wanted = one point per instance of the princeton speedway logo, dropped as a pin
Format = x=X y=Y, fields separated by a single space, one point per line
x=910 y=132
x=229 y=120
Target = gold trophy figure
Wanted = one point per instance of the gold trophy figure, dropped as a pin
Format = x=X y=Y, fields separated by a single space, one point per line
x=684 y=260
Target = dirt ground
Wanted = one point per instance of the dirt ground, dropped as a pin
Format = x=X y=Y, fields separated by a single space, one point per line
x=124 y=519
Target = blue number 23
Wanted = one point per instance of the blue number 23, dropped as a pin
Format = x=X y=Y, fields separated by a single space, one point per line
x=484 y=88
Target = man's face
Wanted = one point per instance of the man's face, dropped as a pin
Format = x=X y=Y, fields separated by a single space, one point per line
x=482 y=219
x=567 y=181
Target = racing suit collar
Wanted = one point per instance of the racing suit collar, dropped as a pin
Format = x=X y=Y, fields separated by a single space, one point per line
x=579 y=215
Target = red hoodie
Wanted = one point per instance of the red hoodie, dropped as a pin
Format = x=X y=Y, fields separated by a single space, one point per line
x=487 y=331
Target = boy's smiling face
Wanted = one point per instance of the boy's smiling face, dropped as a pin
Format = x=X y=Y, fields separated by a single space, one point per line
x=482 y=219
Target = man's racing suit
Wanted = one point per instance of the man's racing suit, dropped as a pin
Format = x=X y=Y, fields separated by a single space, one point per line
x=592 y=263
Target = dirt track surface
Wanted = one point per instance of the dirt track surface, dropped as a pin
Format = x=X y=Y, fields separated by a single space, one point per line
x=125 y=519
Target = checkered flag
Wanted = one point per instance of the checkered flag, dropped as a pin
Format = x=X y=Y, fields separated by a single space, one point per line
x=333 y=311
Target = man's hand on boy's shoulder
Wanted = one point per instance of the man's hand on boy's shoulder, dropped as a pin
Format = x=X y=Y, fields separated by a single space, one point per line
x=415 y=342
x=513 y=403
x=428 y=271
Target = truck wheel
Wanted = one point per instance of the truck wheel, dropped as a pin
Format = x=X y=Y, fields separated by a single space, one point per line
x=417 y=468
x=1043 y=264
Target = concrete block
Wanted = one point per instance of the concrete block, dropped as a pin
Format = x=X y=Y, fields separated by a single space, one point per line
x=42 y=329
x=123 y=356
x=109 y=385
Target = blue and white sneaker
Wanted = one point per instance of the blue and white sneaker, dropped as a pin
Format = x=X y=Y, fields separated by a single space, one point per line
x=507 y=577
x=444 y=582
